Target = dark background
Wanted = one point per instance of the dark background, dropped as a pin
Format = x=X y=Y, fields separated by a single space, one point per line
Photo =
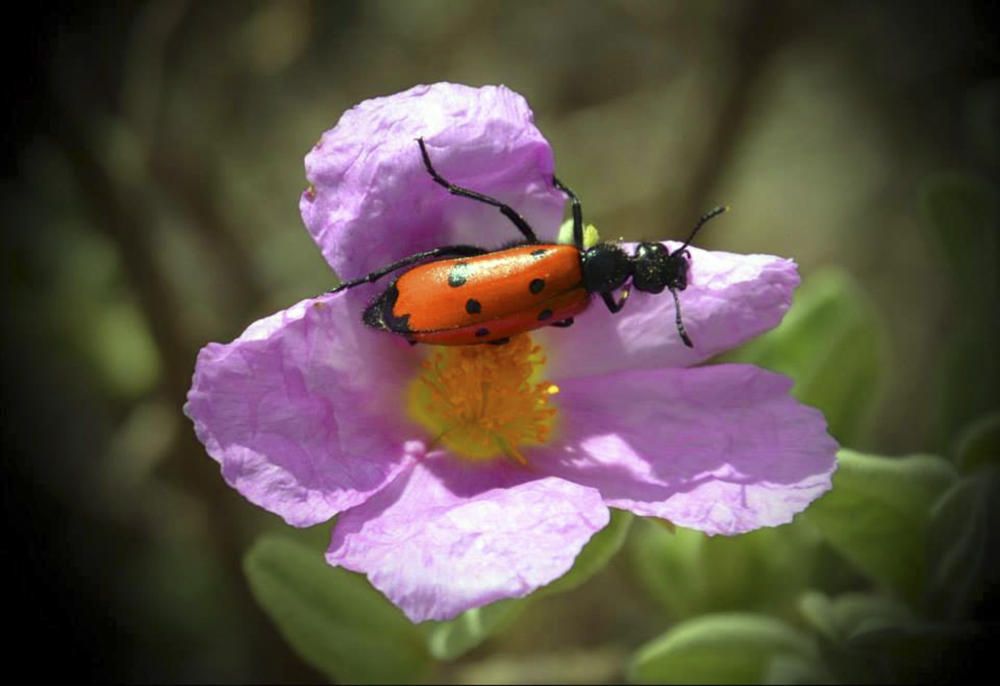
x=152 y=164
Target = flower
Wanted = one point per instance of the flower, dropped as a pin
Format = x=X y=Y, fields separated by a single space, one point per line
x=461 y=476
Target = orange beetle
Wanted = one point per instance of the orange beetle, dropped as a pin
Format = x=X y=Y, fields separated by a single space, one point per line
x=465 y=295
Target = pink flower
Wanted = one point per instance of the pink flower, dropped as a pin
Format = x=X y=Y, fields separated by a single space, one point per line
x=462 y=476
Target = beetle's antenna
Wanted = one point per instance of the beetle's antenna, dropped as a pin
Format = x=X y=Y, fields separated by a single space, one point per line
x=705 y=218
x=680 y=324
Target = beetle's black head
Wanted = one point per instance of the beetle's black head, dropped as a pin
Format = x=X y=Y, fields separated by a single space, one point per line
x=656 y=268
x=605 y=268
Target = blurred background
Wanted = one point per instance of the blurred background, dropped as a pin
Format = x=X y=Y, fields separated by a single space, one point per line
x=152 y=167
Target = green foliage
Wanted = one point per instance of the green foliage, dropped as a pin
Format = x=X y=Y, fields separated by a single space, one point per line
x=878 y=511
x=452 y=639
x=595 y=555
x=872 y=638
x=962 y=213
x=851 y=614
x=333 y=618
x=691 y=573
x=978 y=445
x=449 y=640
x=729 y=648
x=961 y=209
x=832 y=344
x=908 y=523
x=964 y=546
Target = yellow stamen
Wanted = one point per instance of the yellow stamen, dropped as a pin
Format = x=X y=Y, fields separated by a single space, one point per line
x=483 y=401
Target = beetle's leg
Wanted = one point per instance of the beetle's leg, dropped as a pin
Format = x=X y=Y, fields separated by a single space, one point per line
x=680 y=324
x=577 y=213
x=564 y=324
x=507 y=211
x=445 y=251
x=616 y=306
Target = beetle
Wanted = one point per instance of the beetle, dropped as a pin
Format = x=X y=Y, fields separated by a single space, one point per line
x=465 y=295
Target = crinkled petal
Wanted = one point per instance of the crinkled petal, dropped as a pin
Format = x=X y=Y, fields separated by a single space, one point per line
x=724 y=449
x=302 y=409
x=372 y=202
x=730 y=299
x=449 y=536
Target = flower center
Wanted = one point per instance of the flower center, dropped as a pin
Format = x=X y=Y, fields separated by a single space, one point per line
x=482 y=401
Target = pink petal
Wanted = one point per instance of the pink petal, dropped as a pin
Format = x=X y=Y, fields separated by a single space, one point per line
x=372 y=201
x=724 y=449
x=302 y=410
x=730 y=299
x=450 y=536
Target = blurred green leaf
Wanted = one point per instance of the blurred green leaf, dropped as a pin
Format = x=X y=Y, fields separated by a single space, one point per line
x=595 y=555
x=914 y=652
x=452 y=639
x=877 y=514
x=691 y=573
x=982 y=114
x=832 y=344
x=964 y=546
x=962 y=211
x=449 y=640
x=873 y=638
x=123 y=349
x=793 y=669
x=731 y=648
x=978 y=445
x=579 y=665
x=841 y=618
x=332 y=618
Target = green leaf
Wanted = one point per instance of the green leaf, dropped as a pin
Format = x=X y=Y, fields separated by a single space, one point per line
x=449 y=640
x=961 y=211
x=873 y=638
x=978 y=445
x=452 y=639
x=840 y=619
x=877 y=514
x=832 y=343
x=691 y=573
x=917 y=652
x=333 y=618
x=964 y=546
x=595 y=555
x=730 y=648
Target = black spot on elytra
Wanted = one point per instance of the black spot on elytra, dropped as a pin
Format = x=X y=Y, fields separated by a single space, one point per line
x=544 y=314
x=459 y=274
x=482 y=332
x=472 y=306
x=380 y=313
x=539 y=252
x=536 y=286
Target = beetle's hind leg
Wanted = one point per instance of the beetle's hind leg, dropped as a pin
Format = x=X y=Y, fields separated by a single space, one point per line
x=507 y=211
x=445 y=251
x=564 y=324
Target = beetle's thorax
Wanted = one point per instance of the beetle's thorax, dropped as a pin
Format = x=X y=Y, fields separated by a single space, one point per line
x=605 y=268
